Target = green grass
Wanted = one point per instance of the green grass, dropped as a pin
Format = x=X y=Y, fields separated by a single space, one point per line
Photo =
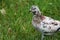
x=16 y=24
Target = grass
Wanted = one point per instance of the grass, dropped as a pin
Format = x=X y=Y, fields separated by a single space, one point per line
x=16 y=23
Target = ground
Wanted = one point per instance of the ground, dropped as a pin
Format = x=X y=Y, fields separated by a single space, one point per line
x=16 y=23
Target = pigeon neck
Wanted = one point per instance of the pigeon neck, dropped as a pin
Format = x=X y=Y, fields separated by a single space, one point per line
x=41 y=17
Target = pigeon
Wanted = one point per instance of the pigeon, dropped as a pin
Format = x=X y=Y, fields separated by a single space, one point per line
x=44 y=24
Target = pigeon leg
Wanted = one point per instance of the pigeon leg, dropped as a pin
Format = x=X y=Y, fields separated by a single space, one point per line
x=42 y=37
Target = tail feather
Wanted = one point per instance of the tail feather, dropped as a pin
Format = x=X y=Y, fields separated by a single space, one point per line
x=58 y=29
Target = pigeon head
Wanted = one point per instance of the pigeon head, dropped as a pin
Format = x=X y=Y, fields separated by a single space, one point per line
x=35 y=10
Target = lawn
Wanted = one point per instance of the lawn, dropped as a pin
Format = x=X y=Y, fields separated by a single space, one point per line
x=16 y=24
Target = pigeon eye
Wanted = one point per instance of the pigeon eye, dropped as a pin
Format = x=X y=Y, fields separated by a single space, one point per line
x=33 y=8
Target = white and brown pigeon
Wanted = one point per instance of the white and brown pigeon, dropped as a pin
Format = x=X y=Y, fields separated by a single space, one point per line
x=46 y=25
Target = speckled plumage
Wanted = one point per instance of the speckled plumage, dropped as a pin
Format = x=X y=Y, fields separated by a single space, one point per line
x=44 y=24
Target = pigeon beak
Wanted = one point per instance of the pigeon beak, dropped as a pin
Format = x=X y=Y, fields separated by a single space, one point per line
x=29 y=11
